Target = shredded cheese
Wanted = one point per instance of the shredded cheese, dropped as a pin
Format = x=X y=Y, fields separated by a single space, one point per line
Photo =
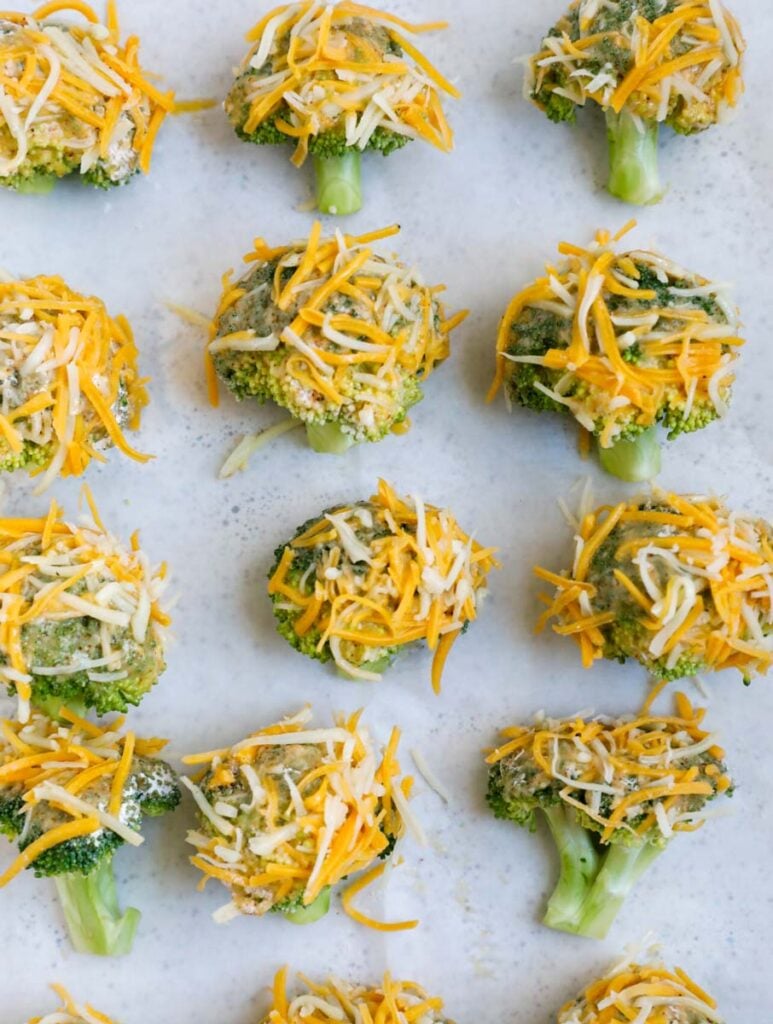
x=74 y=89
x=70 y=776
x=71 y=1012
x=342 y=331
x=384 y=573
x=392 y=1002
x=636 y=340
x=305 y=809
x=46 y=564
x=646 y=67
x=641 y=994
x=654 y=772
x=316 y=67
x=697 y=577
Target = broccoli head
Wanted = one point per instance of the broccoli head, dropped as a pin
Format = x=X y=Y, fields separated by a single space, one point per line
x=280 y=830
x=333 y=1000
x=624 y=342
x=86 y=626
x=361 y=581
x=339 y=336
x=646 y=992
x=66 y=117
x=649 y=583
x=370 y=90
x=645 y=63
x=95 y=374
x=613 y=793
x=68 y=822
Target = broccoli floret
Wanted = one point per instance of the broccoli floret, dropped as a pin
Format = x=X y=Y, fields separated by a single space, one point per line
x=100 y=177
x=30 y=456
x=596 y=874
x=11 y=817
x=596 y=72
x=82 y=867
x=365 y=411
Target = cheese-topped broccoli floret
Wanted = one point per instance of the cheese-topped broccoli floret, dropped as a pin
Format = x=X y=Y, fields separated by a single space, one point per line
x=391 y=1002
x=364 y=580
x=337 y=80
x=341 y=337
x=647 y=993
x=71 y=1012
x=613 y=792
x=645 y=63
x=71 y=794
x=679 y=583
x=69 y=383
x=81 y=623
x=75 y=100
x=292 y=810
x=622 y=342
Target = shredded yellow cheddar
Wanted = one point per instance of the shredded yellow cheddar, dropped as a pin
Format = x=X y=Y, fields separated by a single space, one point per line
x=74 y=96
x=635 y=993
x=71 y=1012
x=392 y=1002
x=674 y=581
x=343 y=68
x=293 y=810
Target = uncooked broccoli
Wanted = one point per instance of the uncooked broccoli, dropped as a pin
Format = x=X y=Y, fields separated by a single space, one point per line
x=337 y=80
x=361 y=581
x=82 y=624
x=678 y=583
x=645 y=63
x=335 y=1001
x=75 y=101
x=70 y=382
x=624 y=342
x=647 y=993
x=613 y=792
x=341 y=337
x=291 y=811
x=69 y=821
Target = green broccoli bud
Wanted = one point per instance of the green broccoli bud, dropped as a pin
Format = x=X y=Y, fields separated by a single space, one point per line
x=633 y=158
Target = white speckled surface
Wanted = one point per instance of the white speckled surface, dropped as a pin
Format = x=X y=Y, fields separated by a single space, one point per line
x=482 y=220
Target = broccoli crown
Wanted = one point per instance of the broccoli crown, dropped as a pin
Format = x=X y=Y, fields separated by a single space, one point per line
x=327 y=123
x=276 y=794
x=53 y=140
x=623 y=987
x=650 y=343
x=100 y=349
x=349 y=552
x=107 y=660
x=350 y=355
x=599 y=70
x=648 y=571
x=88 y=762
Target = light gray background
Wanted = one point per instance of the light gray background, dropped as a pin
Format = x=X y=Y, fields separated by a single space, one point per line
x=483 y=220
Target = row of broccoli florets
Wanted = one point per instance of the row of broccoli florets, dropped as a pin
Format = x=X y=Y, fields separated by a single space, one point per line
x=628 y=988
x=338 y=80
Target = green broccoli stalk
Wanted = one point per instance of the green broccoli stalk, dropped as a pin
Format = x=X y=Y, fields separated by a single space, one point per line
x=295 y=912
x=579 y=865
x=633 y=459
x=329 y=438
x=633 y=158
x=94 y=919
x=339 y=183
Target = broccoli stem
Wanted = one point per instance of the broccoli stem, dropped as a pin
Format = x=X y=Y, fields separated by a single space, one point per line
x=633 y=158
x=339 y=182
x=37 y=185
x=579 y=865
x=53 y=706
x=314 y=912
x=634 y=460
x=621 y=869
x=328 y=439
x=94 y=919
